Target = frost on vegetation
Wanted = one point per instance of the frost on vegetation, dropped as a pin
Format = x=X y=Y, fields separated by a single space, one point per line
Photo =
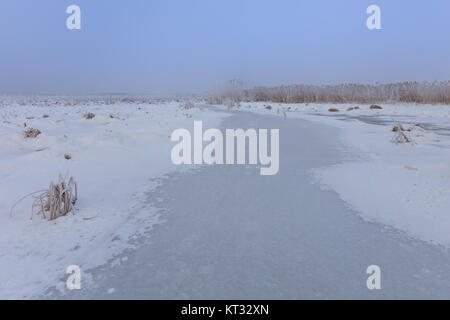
x=402 y=135
x=58 y=200
x=400 y=92
x=188 y=105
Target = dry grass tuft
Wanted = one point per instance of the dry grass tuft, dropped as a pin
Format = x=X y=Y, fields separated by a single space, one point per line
x=57 y=201
x=333 y=110
x=32 y=133
x=89 y=115
x=269 y=107
x=401 y=136
x=398 y=127
x=188 y=105
x=353 y=108
x=375 y=107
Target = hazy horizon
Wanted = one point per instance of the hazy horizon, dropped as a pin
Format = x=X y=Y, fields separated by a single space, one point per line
x=173 y=47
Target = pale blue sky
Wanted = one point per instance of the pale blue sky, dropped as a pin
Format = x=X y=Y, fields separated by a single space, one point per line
x=171 y=46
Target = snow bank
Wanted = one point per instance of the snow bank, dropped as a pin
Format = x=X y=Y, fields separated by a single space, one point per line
x=405 y=186
x=115 y=159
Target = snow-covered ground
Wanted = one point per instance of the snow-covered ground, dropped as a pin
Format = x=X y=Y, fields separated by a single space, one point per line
x=118 y=156
x=406 y=186
x=115 y=159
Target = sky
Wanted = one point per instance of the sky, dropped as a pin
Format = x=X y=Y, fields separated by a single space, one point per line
x=195 y=46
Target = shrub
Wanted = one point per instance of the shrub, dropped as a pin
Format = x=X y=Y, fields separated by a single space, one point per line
x=32 y=133
x=89 y=115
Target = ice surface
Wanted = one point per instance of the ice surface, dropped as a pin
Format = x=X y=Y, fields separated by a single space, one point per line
x=233 y=234
x=226 y=231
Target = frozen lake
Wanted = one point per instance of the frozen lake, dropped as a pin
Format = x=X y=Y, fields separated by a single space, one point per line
x=230 y=233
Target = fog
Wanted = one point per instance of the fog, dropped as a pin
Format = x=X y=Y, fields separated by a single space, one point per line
x=180 y=47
